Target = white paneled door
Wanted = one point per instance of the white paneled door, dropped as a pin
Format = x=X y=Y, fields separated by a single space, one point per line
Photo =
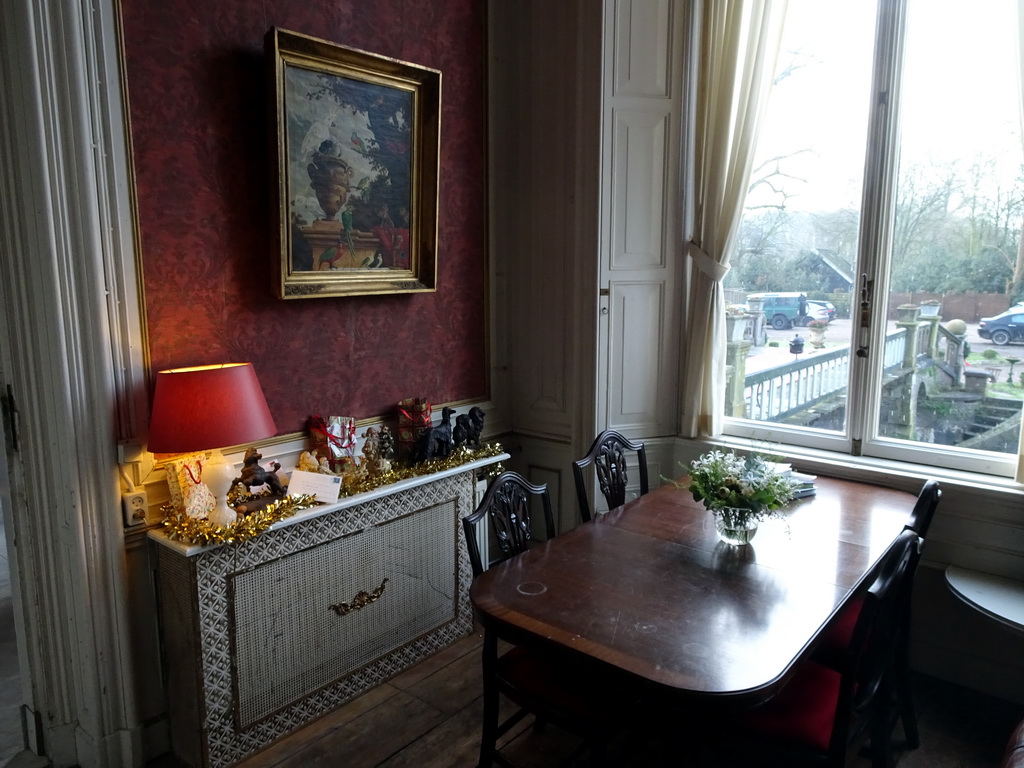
x=639 y=268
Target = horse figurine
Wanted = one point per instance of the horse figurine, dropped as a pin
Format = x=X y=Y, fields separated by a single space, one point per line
x=255 y=475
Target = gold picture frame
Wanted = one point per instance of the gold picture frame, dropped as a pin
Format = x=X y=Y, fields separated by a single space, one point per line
x=356 y=145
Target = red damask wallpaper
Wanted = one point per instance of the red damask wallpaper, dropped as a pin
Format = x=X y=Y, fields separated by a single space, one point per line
x=198 y=104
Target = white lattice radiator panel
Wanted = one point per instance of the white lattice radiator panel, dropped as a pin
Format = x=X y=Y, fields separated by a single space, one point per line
x=387 y=584
x=252 y=644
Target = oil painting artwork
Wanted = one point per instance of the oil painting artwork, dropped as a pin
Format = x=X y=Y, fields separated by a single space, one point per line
x=357 y=148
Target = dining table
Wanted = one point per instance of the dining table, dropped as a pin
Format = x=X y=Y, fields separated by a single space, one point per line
x=647 y=594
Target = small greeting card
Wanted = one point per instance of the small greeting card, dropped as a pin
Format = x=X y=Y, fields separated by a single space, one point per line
x=326 y=488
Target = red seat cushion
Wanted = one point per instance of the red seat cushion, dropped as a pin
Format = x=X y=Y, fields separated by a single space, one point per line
x=803 y=712
x=837 y=637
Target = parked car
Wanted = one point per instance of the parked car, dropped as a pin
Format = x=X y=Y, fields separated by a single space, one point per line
x=816 y=304
x=1004 y=328
x=782 y=309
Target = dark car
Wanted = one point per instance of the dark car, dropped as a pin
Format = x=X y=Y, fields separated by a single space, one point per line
x=1003 y=328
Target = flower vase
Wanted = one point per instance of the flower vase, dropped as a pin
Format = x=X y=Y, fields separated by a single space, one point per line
x=735 y=525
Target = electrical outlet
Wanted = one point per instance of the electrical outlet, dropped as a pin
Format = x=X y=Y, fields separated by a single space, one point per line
x=134 y=505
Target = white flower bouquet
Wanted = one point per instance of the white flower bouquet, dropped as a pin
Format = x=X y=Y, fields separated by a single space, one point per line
x=725 y=480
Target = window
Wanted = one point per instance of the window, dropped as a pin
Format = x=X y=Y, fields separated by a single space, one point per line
x=888 y=180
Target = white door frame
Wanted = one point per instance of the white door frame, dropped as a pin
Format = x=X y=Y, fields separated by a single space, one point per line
x=71 y=348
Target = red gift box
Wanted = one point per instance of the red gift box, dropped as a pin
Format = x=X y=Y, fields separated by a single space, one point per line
x=414 y=418
x=335 y=440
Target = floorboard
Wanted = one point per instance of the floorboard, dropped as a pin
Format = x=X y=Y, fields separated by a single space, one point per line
x=429 y=717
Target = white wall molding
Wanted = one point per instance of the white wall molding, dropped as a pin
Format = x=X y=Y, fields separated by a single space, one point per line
x=72 y=351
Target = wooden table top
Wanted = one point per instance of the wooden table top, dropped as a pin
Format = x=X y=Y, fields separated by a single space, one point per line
x=648 y=589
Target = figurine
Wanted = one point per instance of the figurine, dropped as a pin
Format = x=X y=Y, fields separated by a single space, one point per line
x=387 y=444
x=254 y=475
x=476 y=420
x=436 y=442
x=373 y=458
x=308 y=462
x=460 y=432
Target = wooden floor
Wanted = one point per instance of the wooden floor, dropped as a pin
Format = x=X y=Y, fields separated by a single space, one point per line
x=429 y=717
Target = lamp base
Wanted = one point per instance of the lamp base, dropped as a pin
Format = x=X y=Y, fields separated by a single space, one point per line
x=219 y=475
x=222 y=514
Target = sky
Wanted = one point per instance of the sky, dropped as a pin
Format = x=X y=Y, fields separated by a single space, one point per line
x=961 y=90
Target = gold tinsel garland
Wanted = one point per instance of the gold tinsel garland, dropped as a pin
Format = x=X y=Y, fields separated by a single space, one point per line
x=461 y=455
x=190 y=530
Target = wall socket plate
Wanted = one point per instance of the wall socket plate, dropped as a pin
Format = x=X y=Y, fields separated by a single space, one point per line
x=134 y=505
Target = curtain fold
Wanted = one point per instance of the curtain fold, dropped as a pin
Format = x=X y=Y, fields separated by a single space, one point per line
x=738 y=49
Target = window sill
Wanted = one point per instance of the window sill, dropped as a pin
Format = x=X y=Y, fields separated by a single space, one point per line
x=896 y=474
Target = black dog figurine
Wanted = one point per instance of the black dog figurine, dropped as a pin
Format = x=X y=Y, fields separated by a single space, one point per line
x=436 y=442
x=476 y=426
x=460 y=432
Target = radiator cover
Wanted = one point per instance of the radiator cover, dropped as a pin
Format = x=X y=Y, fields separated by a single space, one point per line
x=253 y=649
x=289 y=642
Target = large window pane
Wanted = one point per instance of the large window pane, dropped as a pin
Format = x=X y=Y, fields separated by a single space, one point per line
x=959 y=203
x=933 y=238
x=798 y=239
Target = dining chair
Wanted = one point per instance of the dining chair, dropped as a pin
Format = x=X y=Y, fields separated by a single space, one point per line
x=822 y=712
x=608 y=455
x=920 y=521
x=924 y=510
x=552 y=691
x=840 y=632
x=506 y=504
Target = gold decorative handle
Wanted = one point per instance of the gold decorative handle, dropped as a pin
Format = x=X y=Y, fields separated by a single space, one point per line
x=360 y=601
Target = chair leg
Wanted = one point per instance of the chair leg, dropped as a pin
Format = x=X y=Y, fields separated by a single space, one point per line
x=905 y=704
x=904 y=690
x=489 y=735
x=881 y=745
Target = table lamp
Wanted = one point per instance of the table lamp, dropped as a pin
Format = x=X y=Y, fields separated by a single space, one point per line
x=206 y=408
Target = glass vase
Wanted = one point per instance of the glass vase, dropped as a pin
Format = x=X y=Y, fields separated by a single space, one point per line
x=735 y=525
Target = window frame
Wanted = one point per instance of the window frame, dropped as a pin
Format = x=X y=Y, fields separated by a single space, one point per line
x=860 y=437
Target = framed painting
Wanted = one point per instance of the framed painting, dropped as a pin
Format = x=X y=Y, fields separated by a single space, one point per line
x=357 y=169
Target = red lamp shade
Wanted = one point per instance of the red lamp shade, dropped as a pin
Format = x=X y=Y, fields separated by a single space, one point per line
x=208 y=406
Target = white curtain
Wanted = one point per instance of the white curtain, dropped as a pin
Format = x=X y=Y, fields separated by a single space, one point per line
x=738 y=49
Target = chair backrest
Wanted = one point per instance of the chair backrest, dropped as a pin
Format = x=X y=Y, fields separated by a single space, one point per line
x=608 y=455
x=507 y=504
x=924 y=509
x=868 y=656
x=874 y=637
